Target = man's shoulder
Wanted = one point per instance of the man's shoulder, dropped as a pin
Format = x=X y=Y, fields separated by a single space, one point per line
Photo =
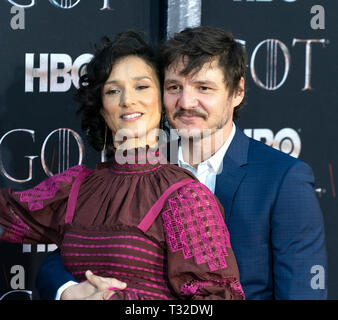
x=273 y=167
x=262 y=152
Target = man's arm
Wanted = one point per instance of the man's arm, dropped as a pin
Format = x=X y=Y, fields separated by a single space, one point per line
x=298 y=238
x=54 y=282
x=51 y=276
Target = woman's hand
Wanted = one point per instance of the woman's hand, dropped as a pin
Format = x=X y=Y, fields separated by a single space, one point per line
x=103 y=295
x=94 y=288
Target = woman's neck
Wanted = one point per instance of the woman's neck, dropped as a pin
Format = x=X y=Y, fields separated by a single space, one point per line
x=150 y=140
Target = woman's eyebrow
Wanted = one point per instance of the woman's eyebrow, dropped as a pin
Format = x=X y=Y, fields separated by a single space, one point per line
x=111 y=81
x=142 y=77
x=135 y=78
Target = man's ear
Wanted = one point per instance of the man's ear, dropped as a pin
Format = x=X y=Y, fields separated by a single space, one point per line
x=239 y=94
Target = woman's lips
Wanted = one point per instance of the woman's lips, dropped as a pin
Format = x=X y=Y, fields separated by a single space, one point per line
x=129 y=117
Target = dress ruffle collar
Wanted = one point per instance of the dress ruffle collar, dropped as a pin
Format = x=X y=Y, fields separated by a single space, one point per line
x=136 y=160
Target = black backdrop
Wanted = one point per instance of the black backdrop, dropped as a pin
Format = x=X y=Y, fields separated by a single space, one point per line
x=57 y=37
x=291 y=94
x=310 y=115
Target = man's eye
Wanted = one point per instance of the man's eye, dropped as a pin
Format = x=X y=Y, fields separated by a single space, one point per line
x=173 y=88
x=203 y=88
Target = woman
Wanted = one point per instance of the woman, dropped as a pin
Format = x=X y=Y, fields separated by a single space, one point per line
x=107 y=219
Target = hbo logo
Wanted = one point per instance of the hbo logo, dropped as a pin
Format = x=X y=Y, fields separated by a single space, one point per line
x=286 y=140
x=55 y=69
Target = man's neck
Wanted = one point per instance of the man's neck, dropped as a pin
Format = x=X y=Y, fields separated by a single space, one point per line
x=195 y=151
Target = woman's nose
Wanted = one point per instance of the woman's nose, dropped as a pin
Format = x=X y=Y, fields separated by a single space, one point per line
x=127 y=98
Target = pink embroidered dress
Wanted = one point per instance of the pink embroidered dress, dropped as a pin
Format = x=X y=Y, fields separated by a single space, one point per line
x=149 y=224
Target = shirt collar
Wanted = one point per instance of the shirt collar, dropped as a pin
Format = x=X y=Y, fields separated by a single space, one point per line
x=215 y=161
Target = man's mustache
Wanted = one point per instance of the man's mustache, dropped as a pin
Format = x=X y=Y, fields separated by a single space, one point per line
x=190 y=112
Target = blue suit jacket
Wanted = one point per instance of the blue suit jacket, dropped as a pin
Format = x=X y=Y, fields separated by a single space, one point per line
x=274 y=219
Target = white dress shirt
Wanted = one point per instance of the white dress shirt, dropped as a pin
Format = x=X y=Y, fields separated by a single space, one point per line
x=207 y=170
x=63 y=288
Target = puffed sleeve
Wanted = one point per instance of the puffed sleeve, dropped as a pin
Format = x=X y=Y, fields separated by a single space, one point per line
x=201 y=263
x=36 y=215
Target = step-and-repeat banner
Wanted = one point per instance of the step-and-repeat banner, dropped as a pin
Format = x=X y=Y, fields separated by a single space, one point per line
x=44 y=47
x=291 y=93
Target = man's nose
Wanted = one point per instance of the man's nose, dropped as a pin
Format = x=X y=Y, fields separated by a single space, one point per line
x=188 y=99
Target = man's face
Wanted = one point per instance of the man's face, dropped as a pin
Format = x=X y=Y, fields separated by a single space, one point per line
x=200 y=101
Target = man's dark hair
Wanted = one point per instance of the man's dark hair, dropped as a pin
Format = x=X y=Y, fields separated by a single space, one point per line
x=97 y=72
x=199 y=45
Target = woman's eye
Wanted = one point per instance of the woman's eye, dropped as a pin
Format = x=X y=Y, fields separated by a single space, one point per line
x=113 y=91
x=173 y=88
x=142 y=87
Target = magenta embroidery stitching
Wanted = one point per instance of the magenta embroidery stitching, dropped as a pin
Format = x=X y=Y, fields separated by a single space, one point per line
x=17 y=231
x=47 y=189
x=193 y=287
x=236 y=288
x=194 y=224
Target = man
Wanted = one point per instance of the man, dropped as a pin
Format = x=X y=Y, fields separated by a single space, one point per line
x=271 y=210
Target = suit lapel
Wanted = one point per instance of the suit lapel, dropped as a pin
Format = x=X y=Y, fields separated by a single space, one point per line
x=233 y=172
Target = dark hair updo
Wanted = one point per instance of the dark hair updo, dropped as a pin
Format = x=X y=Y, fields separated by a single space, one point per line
x=97 y=72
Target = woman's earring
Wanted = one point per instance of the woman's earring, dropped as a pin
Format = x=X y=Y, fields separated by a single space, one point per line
x=105 y=138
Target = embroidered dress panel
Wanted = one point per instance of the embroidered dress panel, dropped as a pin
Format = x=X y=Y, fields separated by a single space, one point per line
x=47 y=189
x=195 y=225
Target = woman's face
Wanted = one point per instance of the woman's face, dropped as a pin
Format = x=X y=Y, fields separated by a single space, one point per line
x=131 y=99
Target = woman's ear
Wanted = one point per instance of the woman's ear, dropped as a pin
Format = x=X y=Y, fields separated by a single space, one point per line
x=105 y=116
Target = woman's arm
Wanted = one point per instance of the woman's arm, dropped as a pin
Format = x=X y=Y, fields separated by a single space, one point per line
x=201 y=263
x=36 y=215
